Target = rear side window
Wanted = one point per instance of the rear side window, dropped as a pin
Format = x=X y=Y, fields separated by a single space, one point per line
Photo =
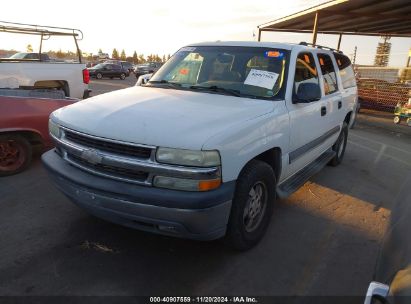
x=305 y=71
x=327 y=69
x=346 y=71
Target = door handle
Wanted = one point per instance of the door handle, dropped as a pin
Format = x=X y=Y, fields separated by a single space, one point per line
x=340 y=104
x=323 y=111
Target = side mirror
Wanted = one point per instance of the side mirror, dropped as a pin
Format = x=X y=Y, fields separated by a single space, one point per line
x=143 y=79
x=307 y=92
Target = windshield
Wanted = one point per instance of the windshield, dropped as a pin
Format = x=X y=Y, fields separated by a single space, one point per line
x=18 y=56
x=248 y=71
x=99 y=66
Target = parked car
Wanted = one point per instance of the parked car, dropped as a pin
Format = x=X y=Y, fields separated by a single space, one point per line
x=108 y=70
x=147 y=68
x=28 y=71
x=203 y=149
x=392 y=278
x=24 y=128
x=127 y=66
x=19 y=56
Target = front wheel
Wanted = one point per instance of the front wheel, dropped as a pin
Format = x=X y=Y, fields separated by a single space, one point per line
x=15 y=154
x=339 y=146
x=397 y=119
x=122 y=76
x=252 y=205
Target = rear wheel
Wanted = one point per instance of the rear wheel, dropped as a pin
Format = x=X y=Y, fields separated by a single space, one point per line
x=397 y=119
x=339 y=146
x=15 y=154
x=252 y=205
x=122 y=76
x=409 y=122
x=99 y=76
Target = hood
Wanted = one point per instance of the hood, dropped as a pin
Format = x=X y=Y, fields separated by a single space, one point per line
x=159 y=116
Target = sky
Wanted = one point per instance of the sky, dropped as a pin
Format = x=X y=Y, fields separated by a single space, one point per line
x=163 y=26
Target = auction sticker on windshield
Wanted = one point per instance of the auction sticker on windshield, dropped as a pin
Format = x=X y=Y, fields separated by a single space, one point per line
x=263 y=79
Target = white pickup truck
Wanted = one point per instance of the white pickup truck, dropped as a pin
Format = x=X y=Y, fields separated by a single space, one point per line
x=35 y=71
x=71 y=78
x=205 y=148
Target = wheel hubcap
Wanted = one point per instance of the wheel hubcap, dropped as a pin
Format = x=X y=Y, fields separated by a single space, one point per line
x=255 y=207
x=10 y=156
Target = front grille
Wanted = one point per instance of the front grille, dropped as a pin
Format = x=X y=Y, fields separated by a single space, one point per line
x=109 y=170
x=115 y=148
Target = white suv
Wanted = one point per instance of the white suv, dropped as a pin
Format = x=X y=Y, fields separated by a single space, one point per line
x=204 y=149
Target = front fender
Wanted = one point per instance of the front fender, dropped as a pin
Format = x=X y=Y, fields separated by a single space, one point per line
x=244 y=141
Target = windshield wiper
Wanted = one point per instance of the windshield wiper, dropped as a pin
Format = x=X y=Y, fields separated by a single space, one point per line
x=163 y=81
x=217 y=89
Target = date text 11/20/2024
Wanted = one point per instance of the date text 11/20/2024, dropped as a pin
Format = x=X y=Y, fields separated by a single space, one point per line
x=203 y=300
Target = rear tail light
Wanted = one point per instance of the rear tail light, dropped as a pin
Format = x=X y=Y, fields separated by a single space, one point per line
x=86 y=76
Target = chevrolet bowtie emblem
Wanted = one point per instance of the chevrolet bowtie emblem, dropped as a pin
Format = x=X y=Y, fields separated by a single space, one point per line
x=91 y=156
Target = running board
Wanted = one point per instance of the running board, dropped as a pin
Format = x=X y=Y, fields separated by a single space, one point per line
x=292 y=184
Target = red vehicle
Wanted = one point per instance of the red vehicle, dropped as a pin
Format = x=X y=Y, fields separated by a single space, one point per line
x=24 y=129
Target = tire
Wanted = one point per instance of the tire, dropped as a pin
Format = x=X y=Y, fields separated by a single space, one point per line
x=122 y=76
x=15 y=154
x=248 y=223
x=99 y=76
x=409 y=122
x=339 y=146
x=137 y=75
x=397 y=119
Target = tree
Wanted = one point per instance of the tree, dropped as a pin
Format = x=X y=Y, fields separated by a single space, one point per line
x=100 y=51
x=164 y=58
x=29 y=48
x=135 y=57
x=168 y=57
x=141 y=58
x=123 y=55
x=115 y=54
x=60 y=54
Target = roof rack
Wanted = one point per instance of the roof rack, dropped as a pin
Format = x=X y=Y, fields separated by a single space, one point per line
x=42 y=30
x=33 y=29
x=319 y=46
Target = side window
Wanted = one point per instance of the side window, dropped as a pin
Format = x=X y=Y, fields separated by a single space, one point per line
x=305 y=71
x=327 y=69
x=346 y=71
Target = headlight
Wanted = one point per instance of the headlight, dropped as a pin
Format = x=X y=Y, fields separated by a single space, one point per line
x=188 y=157
x=54 y=129
x=186 y=184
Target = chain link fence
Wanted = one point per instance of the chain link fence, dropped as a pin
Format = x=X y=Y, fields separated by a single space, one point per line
x=383 y=88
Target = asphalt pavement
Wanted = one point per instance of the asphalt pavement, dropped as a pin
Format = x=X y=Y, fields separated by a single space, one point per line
x=323 y=240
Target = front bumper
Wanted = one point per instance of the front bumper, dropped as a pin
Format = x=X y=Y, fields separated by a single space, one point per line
x=194 y=215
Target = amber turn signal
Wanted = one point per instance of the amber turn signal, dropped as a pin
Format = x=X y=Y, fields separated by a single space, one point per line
x=206 y=185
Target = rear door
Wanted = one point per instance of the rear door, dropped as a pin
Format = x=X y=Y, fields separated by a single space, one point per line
x=309 y=123
x=332 y=95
